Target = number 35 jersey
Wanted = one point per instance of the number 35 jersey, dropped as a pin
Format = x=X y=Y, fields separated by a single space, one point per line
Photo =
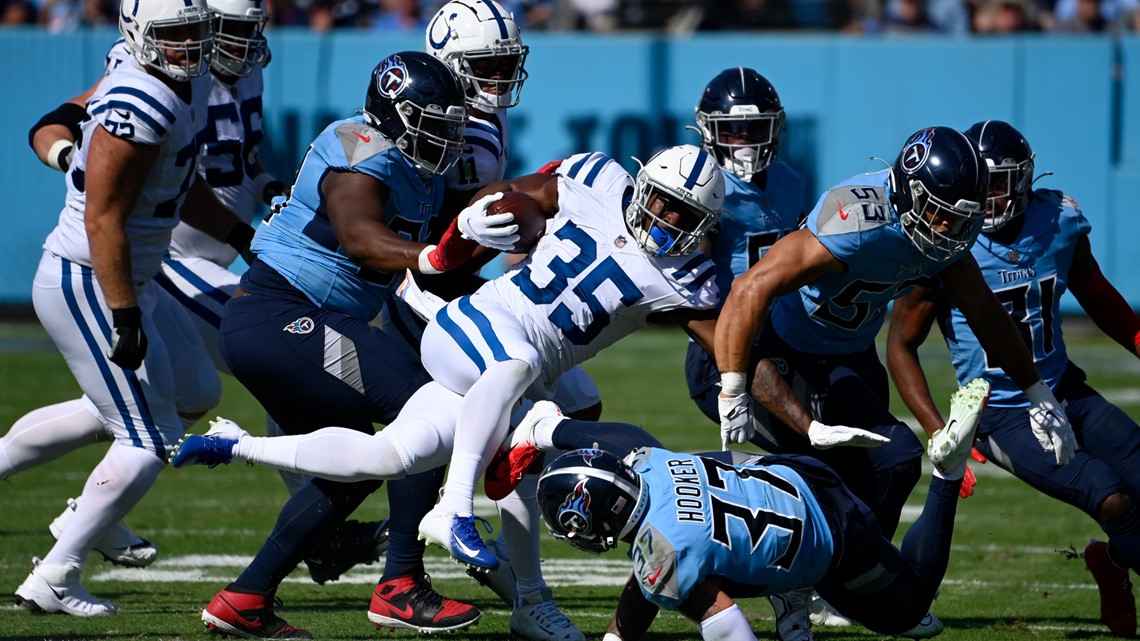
x=756 y=524
x=587 y=284
x=842 y=312
x=135 y=106
x=1029 y=276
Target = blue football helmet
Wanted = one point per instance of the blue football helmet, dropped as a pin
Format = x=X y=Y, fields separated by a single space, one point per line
x=417 y=102
x=940 y=177
x=740 y=118
x=590 y=499
x=1010 y=160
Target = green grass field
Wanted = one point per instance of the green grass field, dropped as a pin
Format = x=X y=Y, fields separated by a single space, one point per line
x=1010 y=576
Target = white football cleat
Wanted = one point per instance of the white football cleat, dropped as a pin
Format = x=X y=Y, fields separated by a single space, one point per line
x=949 y=447
x=930 y=626
x=823 y=614
x=793 y=622
x=458 y=536
x=56 y=588
x=536 y=617
x=119 y=545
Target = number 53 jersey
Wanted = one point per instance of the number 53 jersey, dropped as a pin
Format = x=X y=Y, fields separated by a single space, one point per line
x=758 y=525
x=587 y=284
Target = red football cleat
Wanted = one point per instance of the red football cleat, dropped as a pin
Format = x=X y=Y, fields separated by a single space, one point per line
x=410 y=603
x=507 y=469
x=1117 y=605
x=249 y=616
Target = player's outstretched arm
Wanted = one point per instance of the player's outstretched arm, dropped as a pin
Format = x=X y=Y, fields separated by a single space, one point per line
x=911 y=319
x=1103 y=302
x=53 y=137
x=716 y=614
x=633 y=616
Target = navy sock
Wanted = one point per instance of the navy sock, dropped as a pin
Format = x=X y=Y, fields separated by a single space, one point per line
x=1124 y=539
x=615 y=438
x=310 y=513
x=926 y=546
x=409 y=500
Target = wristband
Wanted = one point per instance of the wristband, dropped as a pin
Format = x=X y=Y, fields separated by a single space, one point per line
x=266 y=187
x=126 y=317
x=732 y=383
x=1039 y=391
x=240 y=237
x=59 y=156
x=424 y=262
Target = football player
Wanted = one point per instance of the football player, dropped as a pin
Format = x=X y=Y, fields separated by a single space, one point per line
x=1034 y=246
x=297 y=331
x=867 y=241
x=132 y=349
x=705 y=530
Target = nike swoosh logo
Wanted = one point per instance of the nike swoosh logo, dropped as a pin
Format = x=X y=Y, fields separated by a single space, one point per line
x=466 y=550
x=362 y=136
x=125 y=115
x=55 y=591
x=653 y=579
x=405 y=612
x=842 y=214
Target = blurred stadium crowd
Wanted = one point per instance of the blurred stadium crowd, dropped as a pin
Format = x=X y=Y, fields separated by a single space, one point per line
x=950 y=17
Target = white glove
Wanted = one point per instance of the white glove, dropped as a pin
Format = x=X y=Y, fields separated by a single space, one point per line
x=497 y=231
x=425 y=304
x=735 y=419
x=1049 y=423
x=824 y=437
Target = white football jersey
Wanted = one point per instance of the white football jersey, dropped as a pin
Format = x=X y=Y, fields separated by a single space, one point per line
x=133 y=105
x=484 y=158
x=587 y=285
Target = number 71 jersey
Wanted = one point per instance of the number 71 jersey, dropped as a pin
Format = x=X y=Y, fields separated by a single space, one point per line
x=759 y=525
x=587 y=284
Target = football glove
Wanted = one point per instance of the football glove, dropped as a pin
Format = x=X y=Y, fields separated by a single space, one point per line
x=424 y=303
x=735 y=419
x=825 y=437
x=1049 y=423
x=496 y=231
x=128 y=340
x=969 y=480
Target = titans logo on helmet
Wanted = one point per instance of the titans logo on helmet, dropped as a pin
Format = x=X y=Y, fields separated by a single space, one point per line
x=393 y=77
x=574 y=513
x=917 y=150
x=589 y=455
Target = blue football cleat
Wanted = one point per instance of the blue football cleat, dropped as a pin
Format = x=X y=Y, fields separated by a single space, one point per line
x=214 y=448
x=457 y=535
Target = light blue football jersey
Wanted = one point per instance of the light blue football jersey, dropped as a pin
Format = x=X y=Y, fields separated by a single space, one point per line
x=756 y=524
x=841 y=313
x=298 y=241
x=754 y=218
x=1029 y=276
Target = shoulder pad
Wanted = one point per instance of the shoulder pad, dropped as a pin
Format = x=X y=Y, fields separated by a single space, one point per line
x=850 y=209
x=361 y=142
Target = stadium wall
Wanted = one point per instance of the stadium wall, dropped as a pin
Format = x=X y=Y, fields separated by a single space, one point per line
x=847 y=99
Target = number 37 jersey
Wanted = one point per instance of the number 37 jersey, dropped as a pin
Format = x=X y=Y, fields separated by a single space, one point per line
x=587 y=284
x=756 y=524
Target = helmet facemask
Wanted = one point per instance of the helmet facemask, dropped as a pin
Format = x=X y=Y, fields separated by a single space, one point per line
x=744 y=141
x=239 y=45
x=179 y=47
x=432 y=137
x=922 y=219
x=499 y=68
x=1010 y=185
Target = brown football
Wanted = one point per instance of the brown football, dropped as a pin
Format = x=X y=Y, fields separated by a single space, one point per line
x=529 y=216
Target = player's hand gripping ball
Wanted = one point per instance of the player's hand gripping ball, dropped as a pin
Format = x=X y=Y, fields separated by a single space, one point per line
x=529 y=216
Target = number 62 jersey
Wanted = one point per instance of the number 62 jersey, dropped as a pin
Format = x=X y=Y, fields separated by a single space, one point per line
x=587 y=284
x=756 y=524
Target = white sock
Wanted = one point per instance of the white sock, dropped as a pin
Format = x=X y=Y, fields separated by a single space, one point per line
x=334 y=453
x=48 y=433
x=115 y=486
x=952 y=475
x=520 y=522
x=481 y=428
x=293 y=481
x=544 y=433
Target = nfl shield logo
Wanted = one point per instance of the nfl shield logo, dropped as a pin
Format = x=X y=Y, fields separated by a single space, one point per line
x=1014 y=256
x=619 y=242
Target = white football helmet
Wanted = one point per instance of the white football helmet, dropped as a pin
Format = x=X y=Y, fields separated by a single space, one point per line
x=239 y=45
x=684 y=181
x=480 y=40
x=173 y=36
